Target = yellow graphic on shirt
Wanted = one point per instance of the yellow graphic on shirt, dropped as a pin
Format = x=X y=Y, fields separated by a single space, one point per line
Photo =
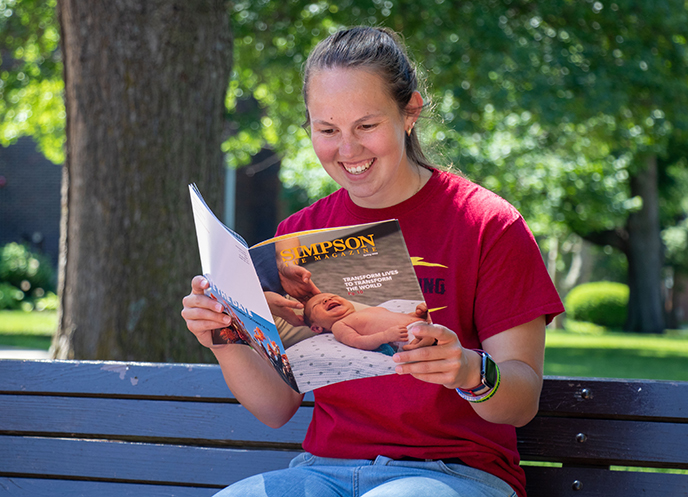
x=418 y=261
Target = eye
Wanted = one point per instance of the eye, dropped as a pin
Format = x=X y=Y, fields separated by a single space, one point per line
x=367 y=127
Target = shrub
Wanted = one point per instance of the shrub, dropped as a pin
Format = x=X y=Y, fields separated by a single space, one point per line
x=24 y=269
x=603 y=303
x=10 y=296
x=49 y=302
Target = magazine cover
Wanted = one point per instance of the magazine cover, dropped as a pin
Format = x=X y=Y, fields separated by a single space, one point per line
x=362 y=301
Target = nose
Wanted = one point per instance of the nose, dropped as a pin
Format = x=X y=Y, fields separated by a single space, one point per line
x=349 y=146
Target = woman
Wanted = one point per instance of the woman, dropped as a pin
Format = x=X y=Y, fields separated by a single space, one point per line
x=444 y=425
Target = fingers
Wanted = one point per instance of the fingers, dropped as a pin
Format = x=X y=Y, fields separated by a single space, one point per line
x=422 y=310
x=293 y=318
x=440 y=364
x=199 y=284
x=276 y=300
x=201 y=301
x=200 y=319
x=200 y=312
x=314 y=289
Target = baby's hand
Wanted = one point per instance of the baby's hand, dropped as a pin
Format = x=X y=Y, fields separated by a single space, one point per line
x=417 y=342
x=397 y=334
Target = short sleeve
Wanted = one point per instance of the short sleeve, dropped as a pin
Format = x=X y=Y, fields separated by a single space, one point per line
x=513 y=285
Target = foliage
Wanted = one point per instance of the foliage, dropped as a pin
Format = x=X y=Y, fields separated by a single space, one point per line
x=31 y=83
x=548 y=104
x=10 y=296
x=30 y=272
x=49 y=302
x=553 y=105
x=603 y=303
x=545 y=103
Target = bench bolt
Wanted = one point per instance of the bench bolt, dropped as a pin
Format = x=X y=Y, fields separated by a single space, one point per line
x=586 y=393
x=577 y=485
x=581 y=437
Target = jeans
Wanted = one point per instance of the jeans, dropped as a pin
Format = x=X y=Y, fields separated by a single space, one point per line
x=311 y=476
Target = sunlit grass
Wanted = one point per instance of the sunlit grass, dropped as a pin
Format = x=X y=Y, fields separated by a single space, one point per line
x=28 y=330
x=609 y=354
x=28 y=323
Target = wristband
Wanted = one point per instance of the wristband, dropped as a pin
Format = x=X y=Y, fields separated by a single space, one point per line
x=490 y=379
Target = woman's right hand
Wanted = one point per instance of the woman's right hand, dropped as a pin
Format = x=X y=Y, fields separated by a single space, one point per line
x=201 y=313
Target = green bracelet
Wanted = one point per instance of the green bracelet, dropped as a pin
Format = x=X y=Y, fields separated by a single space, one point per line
x=476 y=399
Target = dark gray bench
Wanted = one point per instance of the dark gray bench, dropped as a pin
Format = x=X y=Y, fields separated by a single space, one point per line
x=71 y=428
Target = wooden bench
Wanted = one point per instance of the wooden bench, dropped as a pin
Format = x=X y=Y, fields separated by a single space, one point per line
x=70 y=428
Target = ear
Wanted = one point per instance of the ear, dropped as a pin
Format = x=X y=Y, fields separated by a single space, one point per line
x=413 y=108
x=317 y=329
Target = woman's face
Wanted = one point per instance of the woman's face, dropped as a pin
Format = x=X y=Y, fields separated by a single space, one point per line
x=358 y=134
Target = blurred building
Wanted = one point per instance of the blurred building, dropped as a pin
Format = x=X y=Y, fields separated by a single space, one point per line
x=30 y=198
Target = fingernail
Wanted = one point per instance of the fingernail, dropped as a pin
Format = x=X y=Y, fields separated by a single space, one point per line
x=226 y=319
x=218 y=307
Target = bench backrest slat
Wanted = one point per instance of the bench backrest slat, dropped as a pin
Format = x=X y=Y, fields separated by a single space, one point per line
x=114 y=379
x=614 y=398
x=605 y=442
x=146 y=420
x=134 y=462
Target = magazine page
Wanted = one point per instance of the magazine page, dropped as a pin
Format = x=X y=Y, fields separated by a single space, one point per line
x=367 y=300
x=226 y=263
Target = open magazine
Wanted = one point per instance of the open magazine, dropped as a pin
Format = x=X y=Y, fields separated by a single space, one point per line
x=368 y=293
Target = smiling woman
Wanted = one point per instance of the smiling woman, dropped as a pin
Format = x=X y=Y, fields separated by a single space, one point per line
x=444 y=424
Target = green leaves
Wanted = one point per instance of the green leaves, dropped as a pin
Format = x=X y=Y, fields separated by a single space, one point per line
x=31 y=76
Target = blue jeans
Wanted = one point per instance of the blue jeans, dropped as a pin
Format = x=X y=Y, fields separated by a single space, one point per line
x=311 y=476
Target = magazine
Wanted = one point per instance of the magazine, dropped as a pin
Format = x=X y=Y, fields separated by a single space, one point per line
x=367 y=292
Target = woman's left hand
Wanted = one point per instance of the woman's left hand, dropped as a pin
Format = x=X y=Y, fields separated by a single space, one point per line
x=448 y=363
x=518 y=351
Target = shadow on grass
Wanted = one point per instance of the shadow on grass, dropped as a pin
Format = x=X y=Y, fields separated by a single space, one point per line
x=25 y=341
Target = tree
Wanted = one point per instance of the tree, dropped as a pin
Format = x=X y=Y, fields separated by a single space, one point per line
x=603 y=87
x=145 y=83
x=558 y=106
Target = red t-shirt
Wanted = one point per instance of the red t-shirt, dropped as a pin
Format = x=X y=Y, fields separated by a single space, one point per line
x=481 y=273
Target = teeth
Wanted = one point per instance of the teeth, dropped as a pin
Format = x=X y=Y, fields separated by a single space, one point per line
x=359 y=169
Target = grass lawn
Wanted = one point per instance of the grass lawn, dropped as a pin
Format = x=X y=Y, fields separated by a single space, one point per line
x=610 y=354
x=30 y=330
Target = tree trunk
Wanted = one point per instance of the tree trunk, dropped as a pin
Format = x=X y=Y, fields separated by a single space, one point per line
x=644 y=253
x=145 y=83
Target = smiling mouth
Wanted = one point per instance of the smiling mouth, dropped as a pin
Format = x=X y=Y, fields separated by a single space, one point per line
x=360 y=168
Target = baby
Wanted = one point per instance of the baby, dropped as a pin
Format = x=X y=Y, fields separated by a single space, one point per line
x=366 y=329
